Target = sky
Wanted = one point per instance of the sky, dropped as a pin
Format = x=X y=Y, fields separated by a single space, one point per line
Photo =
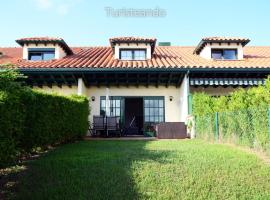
x=92 y=23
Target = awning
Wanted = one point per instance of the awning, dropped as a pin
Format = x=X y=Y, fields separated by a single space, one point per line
x=226 y=82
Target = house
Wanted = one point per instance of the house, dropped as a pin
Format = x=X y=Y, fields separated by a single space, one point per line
x=152 y=82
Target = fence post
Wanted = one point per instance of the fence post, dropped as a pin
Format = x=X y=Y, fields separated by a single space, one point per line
x=269 y=122
x=216 y=126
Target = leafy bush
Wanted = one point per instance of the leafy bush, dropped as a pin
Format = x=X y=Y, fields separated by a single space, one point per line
x=32 y=119
x=242 y=116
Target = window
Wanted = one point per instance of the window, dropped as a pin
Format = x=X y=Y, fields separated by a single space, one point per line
x=154 y=109
x=132 y=54
x=115 y=106
x=41 y=54
x=225 y=54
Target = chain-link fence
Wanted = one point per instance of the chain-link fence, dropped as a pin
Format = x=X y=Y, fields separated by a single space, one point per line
x=247 y=126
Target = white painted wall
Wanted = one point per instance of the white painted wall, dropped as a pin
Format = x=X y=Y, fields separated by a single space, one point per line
x=206 y=51
x=172 y=111
x=184 y=91
x=59 y=52
x=132 y=46
x=81 y=87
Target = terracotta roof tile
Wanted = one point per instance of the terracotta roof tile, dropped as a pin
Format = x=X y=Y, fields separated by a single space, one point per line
x=163 y=57
x=132 y=39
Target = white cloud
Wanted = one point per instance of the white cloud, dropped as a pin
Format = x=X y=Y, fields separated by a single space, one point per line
x=61 y=7
x=44 y=4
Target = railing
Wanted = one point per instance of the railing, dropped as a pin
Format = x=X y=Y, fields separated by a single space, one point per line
x=247 y=126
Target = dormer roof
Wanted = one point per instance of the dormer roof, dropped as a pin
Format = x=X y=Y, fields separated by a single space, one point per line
x=46 y=40
x=119 y=40
x=204 y=41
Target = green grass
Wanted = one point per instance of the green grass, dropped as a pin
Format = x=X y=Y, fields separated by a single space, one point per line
x=190 y=169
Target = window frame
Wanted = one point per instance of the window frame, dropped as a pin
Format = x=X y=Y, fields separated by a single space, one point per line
x=42 y=52
x=157 y=98
x=222 y=53
x=132 y=53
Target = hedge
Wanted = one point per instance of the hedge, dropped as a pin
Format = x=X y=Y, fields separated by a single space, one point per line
x=241 y=117
x=30 y=119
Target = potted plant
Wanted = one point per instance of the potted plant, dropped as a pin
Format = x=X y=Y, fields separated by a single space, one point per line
x=149 y=130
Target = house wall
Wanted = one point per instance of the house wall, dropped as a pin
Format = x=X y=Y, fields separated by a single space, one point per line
x=172 y=108
x=206 y=51
x=59 y=52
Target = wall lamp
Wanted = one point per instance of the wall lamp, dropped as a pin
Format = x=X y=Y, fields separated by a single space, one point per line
x=171 y=98
x=93 y=98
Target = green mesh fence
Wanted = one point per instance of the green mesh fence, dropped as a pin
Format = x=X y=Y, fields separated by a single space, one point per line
x=248 y=127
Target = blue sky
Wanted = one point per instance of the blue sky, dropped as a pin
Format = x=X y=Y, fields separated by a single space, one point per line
x=85 y=22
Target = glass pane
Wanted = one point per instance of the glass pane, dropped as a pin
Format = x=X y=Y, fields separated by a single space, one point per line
x=160 y=119
x=117 y=103
x=160 y=111
x=35 y=56
x=229 y=54
x=152 y=119
x=139 y=54
x=155 y=111
x=217 y=54
x=48 y=56
x=103 y=103
x=126 y=54
x=146 y=103
x=152 y=111
x=117 y=111
x=161 y=103
x=146 y=111
x=151 y=103
x=156 y=119
x=156 y=103
x=146 y=118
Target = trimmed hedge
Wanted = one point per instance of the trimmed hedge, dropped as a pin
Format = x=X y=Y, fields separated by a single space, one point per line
x=30 y=119
x=243 y=116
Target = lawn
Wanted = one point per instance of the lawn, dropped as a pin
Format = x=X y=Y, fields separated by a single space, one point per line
x=188 y=169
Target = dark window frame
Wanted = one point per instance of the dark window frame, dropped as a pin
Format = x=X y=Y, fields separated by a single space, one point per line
x=41 y=51
x=158 y=107
x=132 y=53
x=222 y=53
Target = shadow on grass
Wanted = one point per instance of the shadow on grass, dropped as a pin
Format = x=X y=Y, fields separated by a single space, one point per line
x=87 y=170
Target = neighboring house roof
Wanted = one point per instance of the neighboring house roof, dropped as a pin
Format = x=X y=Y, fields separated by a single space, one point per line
x=163 y=57
x=55 y=40
x=206 y=40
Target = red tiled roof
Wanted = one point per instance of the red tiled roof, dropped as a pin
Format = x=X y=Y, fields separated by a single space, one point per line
x=163 y=57
x=205 y=40
x=57 y=40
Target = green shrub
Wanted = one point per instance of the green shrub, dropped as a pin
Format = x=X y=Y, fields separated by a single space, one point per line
x=243 y=116
x=32 y=119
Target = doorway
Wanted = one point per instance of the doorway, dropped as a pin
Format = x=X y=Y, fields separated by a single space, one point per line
x=134 y=115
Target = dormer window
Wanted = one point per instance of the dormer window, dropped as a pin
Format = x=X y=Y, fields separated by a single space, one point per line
x=221 y=48
x=44 y=48
x=133 y=48
x=224 y=54
x=132 y=54
x=38 y=54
